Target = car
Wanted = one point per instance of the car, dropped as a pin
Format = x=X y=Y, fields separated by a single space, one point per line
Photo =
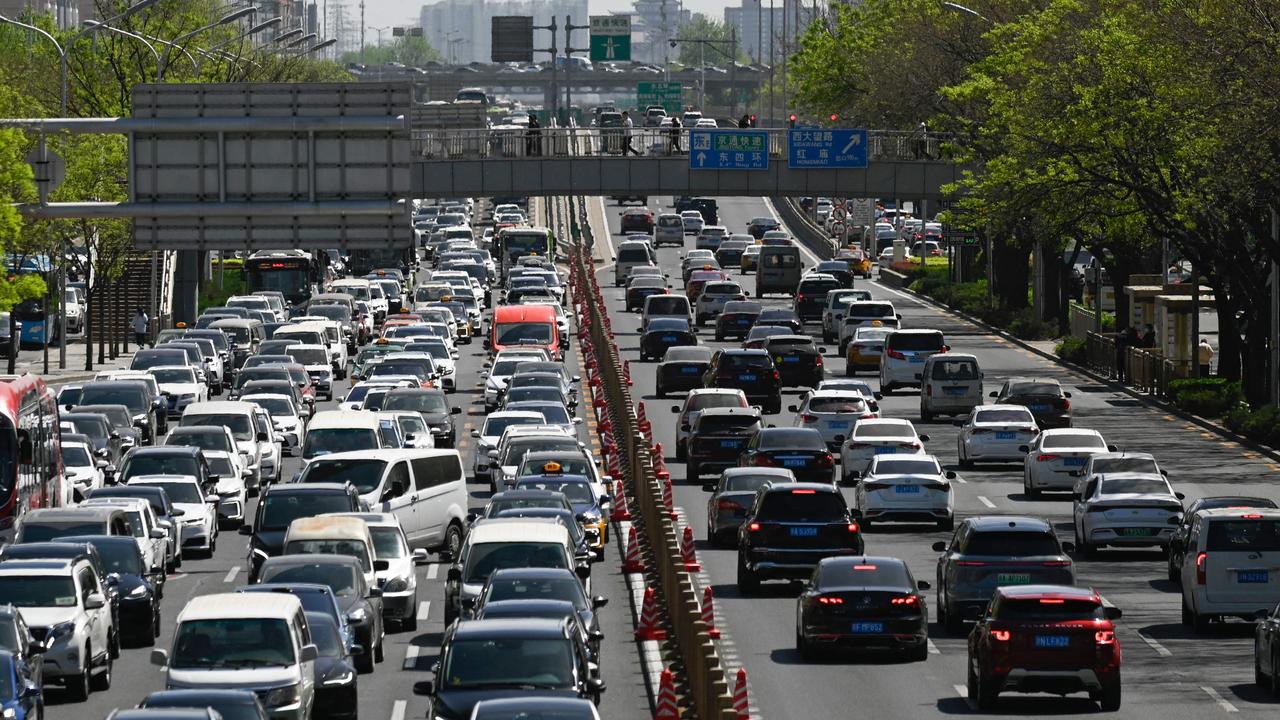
x=729 y=253
x=910 y=488
x=710 y=237
x=520 y=441
x=287 y=417
x=1055 y=454
x=665 y=333
x=713 y=299
x=1044 y=397
x=811 y=295
x=736 y=319
x=694 y=403
x=639 y=288
x=361 y=603
x=314 y=598
x=789 y=529
x=697 y=259
x=488 y=435
x=85 y=470
x=681 y=369
x=693 y=221
x=875 y=437
x=837 y=303
x=758 y=226
x=523 y=707
x=636 y=218
x=1228 y=566
x=867 y=601
x=151 y=539
x=797 y=358
x=18 y=640
x=800 y=450
x=832 y=413
x=1045 y=638
x=1181 y=534
x=281 y=504
x=228 y=704
x=750 y=260
x=199 y=519
x=1125 y=508
x=139 y=588
x=731 y=497
x=989 y=551
x=484 y=659
x=751 y=371
x=785 y=317
x=65 y=605
x=167 y=516
x=499 y=543
x=718 y=437
x=399 y=580
x=995 y=433
x=699 y=279
x=589 y=507
x=860 y=387
x=433 y=407
x=904 y=355
x=522 y=584
x=180 y=387
x=669 y=230
x=862 y=345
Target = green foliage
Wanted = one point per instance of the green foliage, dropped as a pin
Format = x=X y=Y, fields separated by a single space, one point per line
x=719 y=51
x=971 y=299
x=1209 y=397
x=411 y=51
x=1261 y=424
x=14 y=290
x=1072 y=349
x=233 y=283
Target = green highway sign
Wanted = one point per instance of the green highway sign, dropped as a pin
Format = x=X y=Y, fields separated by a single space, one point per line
x=610 y=38
x=667 y=94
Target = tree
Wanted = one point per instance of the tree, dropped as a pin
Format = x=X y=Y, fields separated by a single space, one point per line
x=411 y=51
x=721 y=48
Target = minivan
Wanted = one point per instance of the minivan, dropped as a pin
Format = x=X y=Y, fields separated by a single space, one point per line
x=46 y=524
x=904 y=354
x=632 y=254
x=1229 y=568
x=778 y=270
x=334 y=431
x=950 y=384
x=525 y=326
x=665 y=306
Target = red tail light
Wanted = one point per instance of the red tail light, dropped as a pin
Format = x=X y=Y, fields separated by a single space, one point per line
x=776 y=375
x=1105 y=637
x=853 y=527
x=896 y=355
x=800 y=298
x=764 y=461
x=828 y=600
x=1066 y=404
x=1001 y=635
x=728 y=505
x=908 y=600
x=970 y=563
x=909 y=445
x=1201 y=560
x=817 y=360
x=1046 y=458
x=826 y=460
x=807 y=418
x=928 y=389
x=754 y=527
x=804 y=492
x=1055 y=563
x=1052 y=601
x=1252 y=516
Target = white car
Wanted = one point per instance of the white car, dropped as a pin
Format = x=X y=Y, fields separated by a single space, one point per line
x=1230 y=565
x=153 y=540
x=414 y=432
x=229 y=486
x=84 y=470
x=316 y=359
x=1124 y=499
x=904 y=354
x=693 y=221
x=995 y=433
x=833 y=314
x=832 y=413
x=912 y=488
x=445 y=360
x=712 y=300
x=878 y=436
x=199 y=512
x=862 y=387
x=1055 y=456
x=286 y=417
x=180 y=387
x=269 y=448
x=706 y=123
x=710 y=237
x=356 y=395
x=488 y=435
x=399 y=580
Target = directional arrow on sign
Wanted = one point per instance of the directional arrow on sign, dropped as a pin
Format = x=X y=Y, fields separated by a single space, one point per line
x=702 y=158
x=854 y=140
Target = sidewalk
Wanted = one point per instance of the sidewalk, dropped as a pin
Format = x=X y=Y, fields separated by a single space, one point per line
x=32 y=361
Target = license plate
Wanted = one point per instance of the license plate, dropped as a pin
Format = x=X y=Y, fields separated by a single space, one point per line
x=730 y=443
x=1052 y=641
x=865 y=628
x=794 y=462
x=907 y=489
x=885 y=451
x=1006 y=435
x=1013 y=578
x=747 y=378
x=1038 y=408
x=917 y=359
x=791 y=358
x=843 y=425
x=668 y=338
x=953 y=391
x=1252 y=576
x=689 y=370
x=1137 y=532
x=1073 y=462
x=742 y=321
x=804 y=532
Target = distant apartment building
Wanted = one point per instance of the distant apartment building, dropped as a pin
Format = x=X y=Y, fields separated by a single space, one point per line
x=460 y=29
x=768 y=28
x=66 y=13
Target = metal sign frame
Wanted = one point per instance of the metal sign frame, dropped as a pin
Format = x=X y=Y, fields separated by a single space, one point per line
x=512 y=38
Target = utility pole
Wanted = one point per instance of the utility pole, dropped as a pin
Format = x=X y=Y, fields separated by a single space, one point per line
x=786 y=45
x=771 y=64
x=555 y=88
x=1275 y=315
x=569 y=50
x=362 y=32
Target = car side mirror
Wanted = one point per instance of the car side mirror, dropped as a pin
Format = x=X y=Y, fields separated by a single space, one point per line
x=1068 y=547
x=309 y=653
x=246 y=529
x=101 y=464
x=420 y=556
x=383 y=565
x=598 y=602
x=159 y=657
x=1024 y=448
x=675 y=409
x=1066 y=394
x=583 y=570
x=1114 y=613
x=939 y=546
x=993 y=394
x=923 y=585
x=951 y=475
x=1180 y=496
x=95 y=601
x=1164 y=472
x=262 y=437
x=158 y=534
x=595 y=685
x=924 y=438
x=455 y=411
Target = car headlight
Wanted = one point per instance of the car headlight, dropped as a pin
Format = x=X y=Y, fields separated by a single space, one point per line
x=60 y=632
x=396 y=585
x=342 y=679
x=138 y=592
x=10 y=713
x=282 y=696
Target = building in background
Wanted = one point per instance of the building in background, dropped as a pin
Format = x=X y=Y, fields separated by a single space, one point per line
x=768 y=28
x=654 y=23
x=66 y=13
x=460 y=29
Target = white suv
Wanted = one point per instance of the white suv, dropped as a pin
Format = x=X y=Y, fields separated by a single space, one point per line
x=1230 y=567
x=68 y=611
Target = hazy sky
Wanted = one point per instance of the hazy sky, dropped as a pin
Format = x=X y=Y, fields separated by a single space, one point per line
x=381 y=13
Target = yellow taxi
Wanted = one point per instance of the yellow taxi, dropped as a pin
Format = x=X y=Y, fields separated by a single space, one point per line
x=750 y=258
x=865 y=346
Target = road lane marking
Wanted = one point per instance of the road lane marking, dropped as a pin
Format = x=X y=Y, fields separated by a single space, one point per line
x=433 y=570
x=1161 y=650
x=231 y=574
x=961 y=690
x=1217 y=697
x=410 y=656
x=983 y=499
x=424 y=609
x=398 y=710
x=933 y=649
x=961 y=480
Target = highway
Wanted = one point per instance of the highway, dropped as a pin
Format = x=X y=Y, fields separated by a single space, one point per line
x=387 y=693
x=1168 y=673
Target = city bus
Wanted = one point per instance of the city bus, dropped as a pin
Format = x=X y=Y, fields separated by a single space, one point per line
x=37 y=327
x=291 y=272
x=31 y=470
x=513 y=243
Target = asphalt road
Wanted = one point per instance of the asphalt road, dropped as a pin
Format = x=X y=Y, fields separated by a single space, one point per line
x=387 y=693
x=1168 y=673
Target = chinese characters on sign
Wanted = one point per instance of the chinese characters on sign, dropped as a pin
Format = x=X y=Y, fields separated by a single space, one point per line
x=729 y=150
x=826 y=148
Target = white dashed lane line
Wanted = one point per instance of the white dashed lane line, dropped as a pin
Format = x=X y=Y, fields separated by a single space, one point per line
x=411 y=656
x=1161 y=650
x=933 y=649
x=983 y=499
x=1217 y=697
x=433 y=570
x=398 y=710
x=231 y=574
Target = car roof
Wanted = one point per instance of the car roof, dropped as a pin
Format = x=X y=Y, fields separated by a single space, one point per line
x=1239 y=512
x=1067 y=592
x=532 y=573
x=203 y=695
x=43 y=566
x=327 y=527
x=778 y=472
x=731 y=411
x=518 y=529
x=229 y=606
x=825 y=488
x=510 y=628
x=78 y=512
x=314 y=559
x=1008 y=523
x=296 y=488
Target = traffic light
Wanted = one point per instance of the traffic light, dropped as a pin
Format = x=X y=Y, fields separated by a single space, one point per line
x=753 y=121
x=791 y=121
x=835 y=118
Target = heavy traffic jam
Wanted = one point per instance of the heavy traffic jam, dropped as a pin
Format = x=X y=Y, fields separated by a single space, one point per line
x=392 y=433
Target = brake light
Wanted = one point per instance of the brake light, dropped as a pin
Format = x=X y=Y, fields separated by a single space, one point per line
x=1201 y=561
x=776 y=375
x=970 y=563
x=764 y=461
x=754 y=527
x=807 y=418
x=728 y=505
x=800 y=298
x=1046 y=458
x=826 y=460
x=1052 y=601
x=804 y=492
x=1056 y=563
x=817 y=360
x=853 y=527
x=1066 y=404
x=1105 y=637
x=825 y=600
x=1001 y=635
x=1252 y=516
x=896 y=355
x=864 y=567
x=909 y=600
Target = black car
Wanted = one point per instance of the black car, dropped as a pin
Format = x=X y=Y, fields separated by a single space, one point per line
x=708 y=206
x=280 y=505
x=166 y=514
x=663 y=334
x=782 y=316
x=542 y=608
x=229 y=704
x=6 y=339
x=860 y=602
x=167 y=460
x=790 y=528
x=811 y=295
x=737 y=319
x=523 y=498
x=798 y=359
x=359 y=602
x=149 y=410
x=838 y=269
x=118 y=415
x=642 y=287
x=510 y=584
x=717 y=438
x=106 y=439
x=492 y=659
x=337 y=688
x=1045 y=398
x=803 y=451
x=751 y=371
x=681 y=369
x=761 y=225
x=729 y=254
x=139 y=590
x=1178 y=540
x=17 y=639
x=433 y=406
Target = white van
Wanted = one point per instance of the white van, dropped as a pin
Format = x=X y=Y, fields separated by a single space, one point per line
x=426 y=490
x=631 y=254
x=239 y=416
x=335 y=341
x=950 y=384
x=904 y=354
x=1231 y=566
x=665 y=306
x=245 y=641
x=334 y=431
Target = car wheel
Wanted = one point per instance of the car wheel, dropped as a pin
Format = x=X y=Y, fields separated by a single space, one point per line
x=1188 y=617
x=680 y=452
x=971 y=682
x=805 y=648
x=919 y=653
x=1027 y=488
x=692 y=471
x=925 y=416
x=988 y=693
x=748 y=582
x=78 y=685
x=1199 y=623
x=452 y=542
x=1108 y=698
x=1260 y=678
x=378 y=654
x=1174 y=575
x=102 y=681
x=113 y=644
x=410 y=623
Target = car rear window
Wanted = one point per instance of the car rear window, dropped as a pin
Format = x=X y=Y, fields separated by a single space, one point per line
x=790 y=343
x=751 y=483
x=802 y=506
x=721 y=288
x=1048 y=610
x=1243 y=535
x=728 y=423
x=907 y=465
x=871 y=309
x=881 y=430
x=867 y=574
x=954 y=370
x=714 y=400
x=687 y=354
x=818 y=287
x=1068 y=440
x=837 y=405
x=1011 y=544
x=633 y=255
x=915 y=341
x=661 y=305
x=1004 y=416
x=734 y=362
x=1035 y=389
x=792 y=439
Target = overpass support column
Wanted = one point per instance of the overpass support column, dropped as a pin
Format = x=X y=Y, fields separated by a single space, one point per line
x=186 y=286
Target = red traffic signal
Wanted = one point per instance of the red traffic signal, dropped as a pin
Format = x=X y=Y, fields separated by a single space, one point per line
x=835 y=117
x=791 y=121
x=793 y=117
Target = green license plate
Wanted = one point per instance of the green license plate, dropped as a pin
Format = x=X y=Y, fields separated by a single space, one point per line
x=1013 y=578
x=1137 y=532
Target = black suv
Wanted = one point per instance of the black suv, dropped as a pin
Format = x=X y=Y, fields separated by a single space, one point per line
x=718 y=436
x=737 y=319
x=798 y=359
x=811 y=295
x=167 y=460
x=282 y=504
x=751 y=371
x=790 y=528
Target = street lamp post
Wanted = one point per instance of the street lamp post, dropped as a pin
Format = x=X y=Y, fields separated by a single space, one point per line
x=207 y=53
x=319 y=46
x=224 y=20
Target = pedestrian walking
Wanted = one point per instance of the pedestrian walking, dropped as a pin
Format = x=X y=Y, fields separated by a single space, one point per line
x=533 y=138
x=1149 y=337
x=674 y=135
x=1124 y=340
x=628 y=131
x=1205 y=351
x=141 y=324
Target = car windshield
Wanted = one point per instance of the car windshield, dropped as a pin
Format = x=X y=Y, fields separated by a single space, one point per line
x=703 y=401
x=733 y=424
x=531 y=332
x=282 y=509
x=882 y=430
x=76 y=456
x=1135 y=485
x=241 y=425
x=328 y=546
x=802 y=506
x=1038 y=610
x=553 y=413
x=41 y=532
x=388 y=542
x=484 y=558
x=1243 y=535
x=1012 y=544
x=746 y=362
x=341 y=578
x=308 y=356
x=511 y=661
x=1073 y=440
x=907 y=465
x=275 y=406
x=687 y=354
x=323 y=441
x=196 y=438
x=664 y=305
x=494 y=426
x=954 y=370
x=180 y=492
x=865 y=574
x=1125 y=465
x=563 y=588
x=524 y=394
x=175 y=375
x=326 y=638
x=792 y=439
x=576 y=491
x=916 y=341
x=120 y=558
x=837 y=405
x=1004 y=416
x=38 y=591
x=220 y=465
x=134 y=399
x=232 y=644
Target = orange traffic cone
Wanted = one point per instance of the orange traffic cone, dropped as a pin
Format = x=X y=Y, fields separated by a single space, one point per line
x=709 y=613
x=687 y=552
x=667 y=500
x=632 y=562
x=648 y=628
x=666 y=707
x=741 y=705
x=620 y=509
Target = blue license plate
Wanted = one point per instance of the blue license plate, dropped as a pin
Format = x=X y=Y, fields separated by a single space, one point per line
x=953 y=391
x=794 y=462
x=1052 y=641
x=804 y=532
x=791 y=358
x=1252 y=576
x=841 y=425
x=689 y=370
x=1006 y=435
x=907 y=489
x=885 y=451
x=730 y=443
x=742 y=321
x=917 y=359
x=668 y=338
x=1038 y=408
x=1073 y=462
x=867 y=628
x=747 y=378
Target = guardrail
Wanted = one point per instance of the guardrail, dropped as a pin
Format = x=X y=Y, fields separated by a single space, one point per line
x=632 y=461
x=1144 y=369
x=514 y=141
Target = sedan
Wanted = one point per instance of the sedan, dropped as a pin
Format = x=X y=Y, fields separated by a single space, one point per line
x=693 y=222
x=879 y=436
x=863 y=602
x=803 y=451
x=1045 y=398
x=637 y=219
x=713 y=299
x=737 y=319
x=1055 y=454
x=732 y=495
x=760 y=225
x=1130 y=509
x=910 y=488
x=781 y=316
x=750 y=259
x=731 y=248
x=681 y=369
x=642 y=287
x=664 y=334
x=995 y=433
x=832 y=413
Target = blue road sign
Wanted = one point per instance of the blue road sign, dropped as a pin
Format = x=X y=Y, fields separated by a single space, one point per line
x=728 y=150
x=827 y=148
